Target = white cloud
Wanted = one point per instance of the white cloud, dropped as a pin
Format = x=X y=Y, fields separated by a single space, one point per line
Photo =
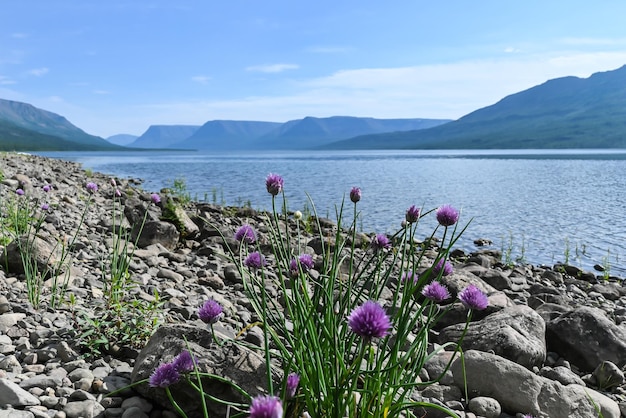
x=38 y=72
x=201 y=79
x=273 y=68
x=5 y=81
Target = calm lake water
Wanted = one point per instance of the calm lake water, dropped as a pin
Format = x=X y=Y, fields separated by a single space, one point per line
x=542 y=204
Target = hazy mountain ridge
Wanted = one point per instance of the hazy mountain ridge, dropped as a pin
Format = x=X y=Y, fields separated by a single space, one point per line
x=23 y=126
x=122 y=139
x=164 y=136
x=227 y=134
x=567 y=112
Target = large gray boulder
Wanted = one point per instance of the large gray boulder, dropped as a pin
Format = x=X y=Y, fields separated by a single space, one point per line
x=229 y=361
x=515 y=333
x=586 y=337
x=519 y=390
x=45 y=257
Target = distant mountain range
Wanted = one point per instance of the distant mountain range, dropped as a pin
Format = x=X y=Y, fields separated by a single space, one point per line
x=24 y=127
x=567 y=112
x=304 y=133
x=122 y=139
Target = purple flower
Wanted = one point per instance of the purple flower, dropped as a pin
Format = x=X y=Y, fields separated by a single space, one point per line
x=45 y=206
x=436 y=292
x=444 y=267
x=412 y=214
x=447 y=215
x=20 y=192
x=254 y=260
x=292 y=385
x=265 y=406
x=274 y=184
x=303 y=261
x=118 y=193
x=381 y=242
x=474 y=298
x=163 y=376
x=155 y=198
x=113 y=183
x=246 y=234
x=369 y=320
x=210 y=312
x=183 y=362
x=46 y=188
x=409 y=275
x=355 y=194
x=92 y=187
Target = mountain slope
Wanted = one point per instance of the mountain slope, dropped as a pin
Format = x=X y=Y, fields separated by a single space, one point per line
x=227 y=135
x=164 y=136
x=24 y=125
x=313 y=132
x=122 y=139
x=566 y=112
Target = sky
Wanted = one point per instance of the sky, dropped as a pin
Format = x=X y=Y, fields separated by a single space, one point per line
x=119 y=66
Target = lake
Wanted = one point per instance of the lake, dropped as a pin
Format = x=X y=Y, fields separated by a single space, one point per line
x=547 y=206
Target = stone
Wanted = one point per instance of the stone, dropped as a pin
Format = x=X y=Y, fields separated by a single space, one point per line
x=518 y=389
x=12 y=394
x=515 y=333
x=228 y=360
x=485 y=407
x=607 y=375
x=586 y=338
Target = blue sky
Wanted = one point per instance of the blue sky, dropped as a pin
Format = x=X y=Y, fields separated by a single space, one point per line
x=120 y=66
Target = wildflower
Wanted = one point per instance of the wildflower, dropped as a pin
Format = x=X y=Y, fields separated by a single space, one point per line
x=210 y=312
x=274 y=184
x=246 y=234
x=444 y=267
x=92 y=187
x=381 y=242
x=265 y=406
x=297 y=215
x=45 y=207
x=369 y=320
x=447 y=215
x=292 y=385
x=113 y=183
x=155 y=198
x=183 y=362
x=412 y=214
x=355 y=194
x=436 y=292
x=46 y=188
x=163 y=376
x=409 y=275
x=303 y=261
x=254 y=260
x=118 y=193
x=474 y=298
x=19 y=192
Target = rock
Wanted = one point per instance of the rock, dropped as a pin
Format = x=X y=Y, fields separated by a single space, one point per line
x=515 y=333
x=13 y=395
x=158 y=232
x=485 y=407
x=518 y=389
x=44 y=256
x=607 y=375
x=586 y=337
x=231 y=361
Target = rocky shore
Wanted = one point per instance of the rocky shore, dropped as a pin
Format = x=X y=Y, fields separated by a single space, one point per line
x=552 y=342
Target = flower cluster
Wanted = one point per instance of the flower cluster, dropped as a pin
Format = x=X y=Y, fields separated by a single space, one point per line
x=246 y=234
x=210 y=312
x=355 y=194
x=369 y=321
x=436 y=292
x=444 y=267
x=255 y=261
x=381 y=242
x=303 y=262
x=412 y=214
x=447 y=215
x=92 y=187
x=473 y=298
x=167 y=374
x=265 y=406
x=274 y=184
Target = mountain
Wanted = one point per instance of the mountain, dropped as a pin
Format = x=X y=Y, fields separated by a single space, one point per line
x=164 y=136
x=312 y=132
x=226 y=135
x=122 y=139
x=567 y=112
x=24 y=127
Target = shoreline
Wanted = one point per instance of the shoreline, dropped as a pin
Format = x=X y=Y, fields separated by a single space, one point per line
x=44 y=368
